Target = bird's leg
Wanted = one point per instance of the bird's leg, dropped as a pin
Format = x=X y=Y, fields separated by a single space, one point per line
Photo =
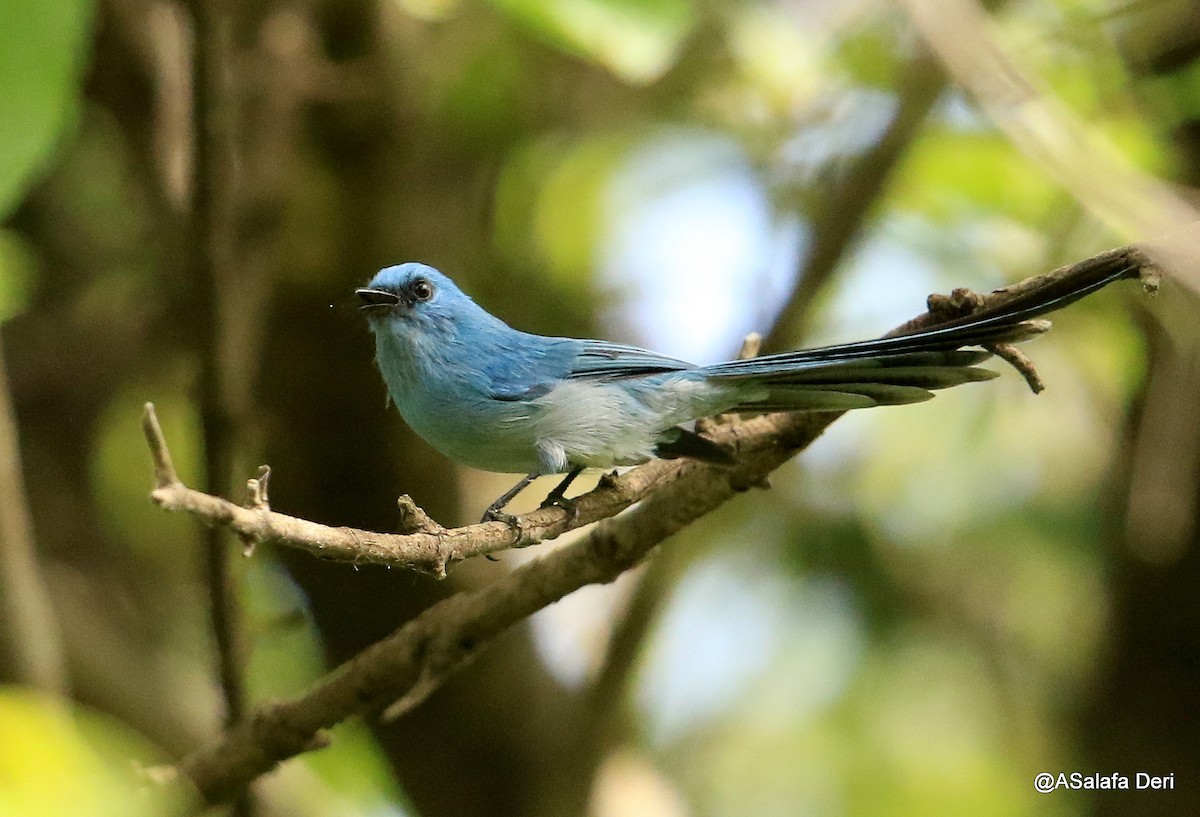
x=495 y=511
x=557 y=496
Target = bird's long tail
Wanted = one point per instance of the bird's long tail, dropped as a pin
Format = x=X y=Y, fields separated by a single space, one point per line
x=904 y=368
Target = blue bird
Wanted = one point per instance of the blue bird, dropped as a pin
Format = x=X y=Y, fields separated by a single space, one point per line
x=499 y=399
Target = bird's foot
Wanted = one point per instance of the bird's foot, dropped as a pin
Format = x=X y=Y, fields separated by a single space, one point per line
x=558 y=500
x=496 y=515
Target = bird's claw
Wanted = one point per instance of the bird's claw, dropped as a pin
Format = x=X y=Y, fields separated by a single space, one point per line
x=497 y=515
x=568 y=505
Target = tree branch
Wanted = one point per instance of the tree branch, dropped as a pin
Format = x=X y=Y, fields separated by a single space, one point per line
x=423 y=545
x=410 y=663
x=404 y=668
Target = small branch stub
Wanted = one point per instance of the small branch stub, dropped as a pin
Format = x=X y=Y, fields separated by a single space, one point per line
x=256 y=490
x=164 y=469
x=413 y=518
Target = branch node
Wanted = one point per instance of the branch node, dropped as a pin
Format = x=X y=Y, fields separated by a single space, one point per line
x=751 y=345
x=256 y=500
x=410 y=700
x=1150 y=275
x=438 y=568
x=958 y=304
x=414 y=520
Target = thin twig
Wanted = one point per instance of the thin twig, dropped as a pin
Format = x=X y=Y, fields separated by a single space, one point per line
x=1014 y=357
x=426 y=546
x=164 y=469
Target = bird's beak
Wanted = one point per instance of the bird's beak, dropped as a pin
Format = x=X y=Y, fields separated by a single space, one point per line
x=374 y=298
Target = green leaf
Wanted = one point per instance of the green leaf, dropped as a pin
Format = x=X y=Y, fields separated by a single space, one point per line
x=43 y=47
x=635 y=39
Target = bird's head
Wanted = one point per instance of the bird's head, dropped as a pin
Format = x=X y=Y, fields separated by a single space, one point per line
x=415 y=298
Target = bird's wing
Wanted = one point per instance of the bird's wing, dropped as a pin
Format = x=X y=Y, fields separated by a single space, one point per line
x=545 y=362
x=601 y=360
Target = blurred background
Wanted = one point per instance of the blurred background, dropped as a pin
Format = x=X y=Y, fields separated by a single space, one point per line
x=929 y=607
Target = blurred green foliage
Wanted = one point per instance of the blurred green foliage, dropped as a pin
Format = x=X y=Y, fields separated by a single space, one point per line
x=43 y=49
x=57 y=760
x=930 y=606
x=637 y=40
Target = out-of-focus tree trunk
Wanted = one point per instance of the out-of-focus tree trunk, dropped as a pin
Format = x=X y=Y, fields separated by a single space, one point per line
x=1141 y=716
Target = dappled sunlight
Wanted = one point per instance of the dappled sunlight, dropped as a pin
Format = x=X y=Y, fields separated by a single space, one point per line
x=737 y=630
x=692 y=248
x=915 y=615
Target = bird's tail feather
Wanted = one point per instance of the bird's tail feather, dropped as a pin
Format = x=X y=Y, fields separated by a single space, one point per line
x=904 y=368
x=867 y=383
x=1001 y=324
x=934 y=370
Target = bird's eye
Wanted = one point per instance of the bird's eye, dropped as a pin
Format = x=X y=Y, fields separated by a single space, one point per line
x=422 y=290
